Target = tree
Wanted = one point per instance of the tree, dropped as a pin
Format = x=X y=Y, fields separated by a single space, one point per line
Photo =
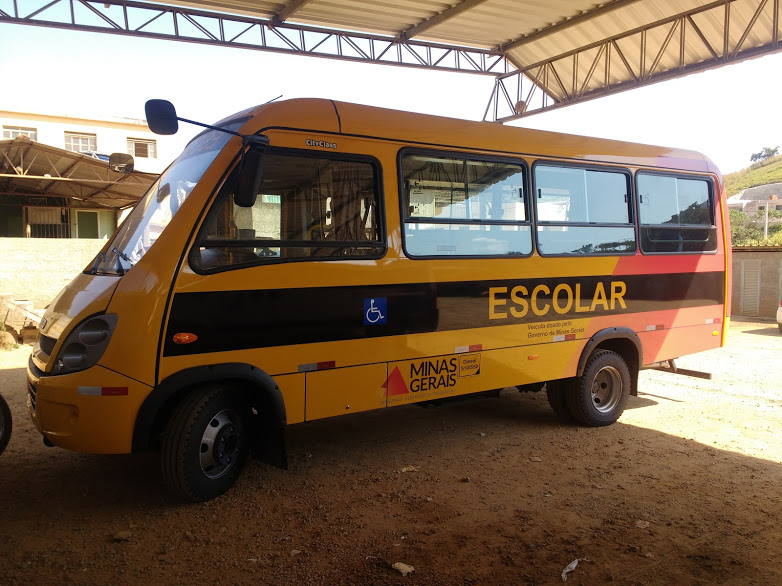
x=738 y=217
x=764 y=154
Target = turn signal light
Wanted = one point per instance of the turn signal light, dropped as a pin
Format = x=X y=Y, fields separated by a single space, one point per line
x=184 y=338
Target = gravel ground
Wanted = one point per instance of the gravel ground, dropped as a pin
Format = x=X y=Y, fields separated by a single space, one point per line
x=685 y=489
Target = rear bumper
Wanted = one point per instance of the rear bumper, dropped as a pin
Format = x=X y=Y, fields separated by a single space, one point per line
x=90 y=411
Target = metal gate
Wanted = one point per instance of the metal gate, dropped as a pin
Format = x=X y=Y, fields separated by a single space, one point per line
x=750 y=287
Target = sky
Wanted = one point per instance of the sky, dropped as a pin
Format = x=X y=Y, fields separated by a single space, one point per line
x=728 y=113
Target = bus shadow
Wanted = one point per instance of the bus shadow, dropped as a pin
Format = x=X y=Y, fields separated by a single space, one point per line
x=772 y=331
x=642 y=400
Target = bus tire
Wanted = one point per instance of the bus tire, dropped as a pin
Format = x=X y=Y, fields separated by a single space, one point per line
x=598 y=397
x=556 y=393
x=5 y=424
x=205 y=444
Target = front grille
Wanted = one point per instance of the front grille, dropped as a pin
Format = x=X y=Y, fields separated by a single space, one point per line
x=31 y=392
x=46 y=343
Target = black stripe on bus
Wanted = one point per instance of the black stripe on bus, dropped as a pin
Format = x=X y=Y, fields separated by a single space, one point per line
x=237 y=320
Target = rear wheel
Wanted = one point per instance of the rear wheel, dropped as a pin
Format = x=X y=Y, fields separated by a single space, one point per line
x=556 y=392
x=5 y=424
x=205 y=444
x=599 y=396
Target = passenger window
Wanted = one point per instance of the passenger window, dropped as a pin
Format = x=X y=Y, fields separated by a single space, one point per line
x=676 y=214
x=307 y=208
x=455 y=206
x=583 y=211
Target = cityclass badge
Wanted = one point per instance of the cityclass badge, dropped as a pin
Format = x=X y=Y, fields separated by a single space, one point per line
x=320 y=143
x=375 y=311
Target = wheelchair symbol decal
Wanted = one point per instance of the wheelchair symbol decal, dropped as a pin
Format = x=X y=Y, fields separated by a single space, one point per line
x=375 y=311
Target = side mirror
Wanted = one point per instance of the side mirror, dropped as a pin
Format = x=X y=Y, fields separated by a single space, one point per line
x=161 y=116
x=163 y=192
x=121 y=162
x=250 y=175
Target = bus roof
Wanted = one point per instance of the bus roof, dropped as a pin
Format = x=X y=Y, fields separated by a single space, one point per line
x=327 y=116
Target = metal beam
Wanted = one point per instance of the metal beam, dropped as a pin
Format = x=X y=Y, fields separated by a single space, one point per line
x=507 y=103
x=566 y=24
x=210 y=28
x=455 y=10
x=289 y=11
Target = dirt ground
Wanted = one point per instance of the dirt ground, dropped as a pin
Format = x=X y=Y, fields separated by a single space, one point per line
x=685 y=489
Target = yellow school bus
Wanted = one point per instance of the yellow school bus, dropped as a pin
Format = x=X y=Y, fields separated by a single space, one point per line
x=311 y=258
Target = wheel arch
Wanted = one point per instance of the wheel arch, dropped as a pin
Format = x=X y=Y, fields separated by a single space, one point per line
x=265 y=398
x=623 y=341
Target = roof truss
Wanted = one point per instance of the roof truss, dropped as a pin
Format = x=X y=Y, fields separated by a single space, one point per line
x=631 y=59
x=542 y=56
x=156 y=21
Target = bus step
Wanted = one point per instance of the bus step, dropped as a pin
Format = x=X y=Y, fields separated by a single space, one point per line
x=670 y=366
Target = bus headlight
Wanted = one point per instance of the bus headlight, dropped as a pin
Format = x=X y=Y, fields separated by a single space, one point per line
x=85 y=345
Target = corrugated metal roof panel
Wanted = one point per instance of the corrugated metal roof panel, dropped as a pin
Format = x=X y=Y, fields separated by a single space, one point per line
x=32 y=169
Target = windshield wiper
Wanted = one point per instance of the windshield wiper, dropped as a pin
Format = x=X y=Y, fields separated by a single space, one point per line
x=98 y=259
x=123 y=256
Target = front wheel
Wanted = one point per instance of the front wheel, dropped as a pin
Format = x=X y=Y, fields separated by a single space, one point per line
x=599 y=396
x=5 y=424
x=205 y=444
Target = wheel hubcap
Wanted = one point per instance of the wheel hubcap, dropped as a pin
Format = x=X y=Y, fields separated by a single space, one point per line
x=220 y=444
x=606 y=389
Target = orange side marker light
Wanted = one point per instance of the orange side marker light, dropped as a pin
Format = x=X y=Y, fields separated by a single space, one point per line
x=184 y=338
x=533 y=356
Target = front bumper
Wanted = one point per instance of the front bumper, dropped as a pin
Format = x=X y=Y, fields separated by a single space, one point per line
x=89 y=411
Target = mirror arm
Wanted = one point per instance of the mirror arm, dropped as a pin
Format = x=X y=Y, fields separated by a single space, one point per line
x=210 y=127
x=247 y=139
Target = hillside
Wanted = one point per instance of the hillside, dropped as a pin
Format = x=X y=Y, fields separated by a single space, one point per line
x=768 y=171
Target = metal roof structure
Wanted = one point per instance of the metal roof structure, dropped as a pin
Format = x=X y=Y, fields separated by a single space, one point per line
x=37 y=174
x=544 y=54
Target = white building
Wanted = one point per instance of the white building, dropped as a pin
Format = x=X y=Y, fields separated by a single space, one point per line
x=755 y=199
x=99 y=136
x=55 y=180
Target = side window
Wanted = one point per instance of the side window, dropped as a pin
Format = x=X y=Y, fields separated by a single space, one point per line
x=676 y=214
x=455 y=206
x=583 y=211
x=307 y=208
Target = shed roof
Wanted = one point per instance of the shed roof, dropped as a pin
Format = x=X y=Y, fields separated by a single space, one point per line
x=545 y=53
x=559 y=51
x=37 y=171
x=759 y=193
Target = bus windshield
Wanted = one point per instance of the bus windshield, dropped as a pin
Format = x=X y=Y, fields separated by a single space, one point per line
x=156 y=209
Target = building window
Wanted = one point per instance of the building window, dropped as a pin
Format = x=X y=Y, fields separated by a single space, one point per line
x=50 y=222
x=79 y=142
x=11 y=132
x=142 y=149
